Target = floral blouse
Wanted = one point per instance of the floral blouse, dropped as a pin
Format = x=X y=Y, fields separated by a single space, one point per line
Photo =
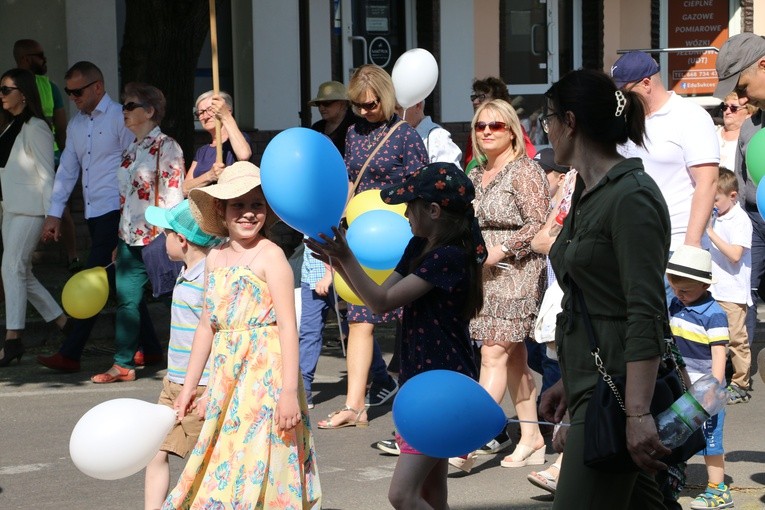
x=137 y=177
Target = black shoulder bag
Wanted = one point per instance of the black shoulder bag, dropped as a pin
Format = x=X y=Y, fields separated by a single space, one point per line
x=605 y=423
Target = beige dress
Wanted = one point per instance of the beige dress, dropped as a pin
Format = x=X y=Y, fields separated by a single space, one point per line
x=511 y=209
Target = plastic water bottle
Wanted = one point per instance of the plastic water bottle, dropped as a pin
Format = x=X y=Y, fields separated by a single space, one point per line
x=705 y=398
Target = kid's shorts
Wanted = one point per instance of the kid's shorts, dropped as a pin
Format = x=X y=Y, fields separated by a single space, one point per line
x=406 y=447
x=713 y=434
x=184 y=434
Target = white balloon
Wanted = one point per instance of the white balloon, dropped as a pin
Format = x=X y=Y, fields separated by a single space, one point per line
x=119 y=437
x=414 y=75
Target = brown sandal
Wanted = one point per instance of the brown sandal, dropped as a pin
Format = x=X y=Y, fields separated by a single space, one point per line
x=327 y=424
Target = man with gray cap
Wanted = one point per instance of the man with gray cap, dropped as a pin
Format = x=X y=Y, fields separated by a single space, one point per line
x=741 y=69
x=681 y=151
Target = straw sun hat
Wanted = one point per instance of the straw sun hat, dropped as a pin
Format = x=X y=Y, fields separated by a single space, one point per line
x=234 y=181
x=692 y=262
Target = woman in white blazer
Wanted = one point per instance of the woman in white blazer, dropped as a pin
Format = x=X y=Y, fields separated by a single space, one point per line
x=26 y=178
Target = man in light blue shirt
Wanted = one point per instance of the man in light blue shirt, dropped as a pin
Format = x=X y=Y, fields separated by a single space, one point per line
x=96 y=138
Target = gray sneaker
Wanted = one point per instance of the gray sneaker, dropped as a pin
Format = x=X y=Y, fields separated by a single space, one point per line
x=380 y=394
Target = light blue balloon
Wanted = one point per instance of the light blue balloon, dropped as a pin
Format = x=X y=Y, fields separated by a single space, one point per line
x=761 y=198
x=378 y=238
x=305 y=180
x=445 y=414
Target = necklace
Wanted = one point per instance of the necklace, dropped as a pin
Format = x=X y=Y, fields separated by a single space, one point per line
x=372 y=141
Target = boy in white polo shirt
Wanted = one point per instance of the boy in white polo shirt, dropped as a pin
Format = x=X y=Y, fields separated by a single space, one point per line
x=188 y=243
x=730 y=232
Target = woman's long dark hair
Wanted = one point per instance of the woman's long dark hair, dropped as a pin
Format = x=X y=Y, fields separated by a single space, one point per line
x=455 y=229
x=592 y=97
x=25 y=81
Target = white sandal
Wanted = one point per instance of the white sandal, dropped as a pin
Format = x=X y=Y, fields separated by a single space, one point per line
x=544 y=480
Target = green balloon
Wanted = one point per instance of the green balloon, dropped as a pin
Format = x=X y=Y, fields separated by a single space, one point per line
x=755 y=156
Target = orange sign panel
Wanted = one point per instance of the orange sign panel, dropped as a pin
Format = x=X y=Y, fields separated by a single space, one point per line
x=695 y=23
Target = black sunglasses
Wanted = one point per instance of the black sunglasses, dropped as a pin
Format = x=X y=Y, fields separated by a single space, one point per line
x=4 y=90
x=38 y=55
x=366 y=106
x=78 y=92
x=479 y=97
x=129 y=107
x=733 y=108
x=326 y=103
x=493 y=126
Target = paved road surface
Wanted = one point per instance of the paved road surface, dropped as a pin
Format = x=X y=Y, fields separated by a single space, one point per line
x=39 y=408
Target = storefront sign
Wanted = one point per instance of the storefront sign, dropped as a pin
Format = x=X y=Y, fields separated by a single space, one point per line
x=379 y=51
x=695 y=23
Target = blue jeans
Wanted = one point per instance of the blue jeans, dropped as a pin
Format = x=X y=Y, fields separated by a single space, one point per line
x=758 y=269
x=313 y=316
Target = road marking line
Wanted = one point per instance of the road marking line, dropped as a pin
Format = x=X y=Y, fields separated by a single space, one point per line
x=68 y=391
x=23 y=468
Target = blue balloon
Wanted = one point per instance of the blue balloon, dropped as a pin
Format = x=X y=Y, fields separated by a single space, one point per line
x=761 y=198
x=378 y=238
x=445 y=414
x=305 y=180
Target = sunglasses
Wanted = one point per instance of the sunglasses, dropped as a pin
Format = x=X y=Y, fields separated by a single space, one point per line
x=733 y=108
x=330 y=103
x=4 y=90
x=129 y=107
x=38 y=55
x=477 y=97
x=366 y=106
x=493 y=126
x=78 y=92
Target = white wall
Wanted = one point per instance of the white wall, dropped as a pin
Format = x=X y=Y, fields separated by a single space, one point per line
x=321 y=50
x=276 y=64
x=91 y=27
x=456 y=66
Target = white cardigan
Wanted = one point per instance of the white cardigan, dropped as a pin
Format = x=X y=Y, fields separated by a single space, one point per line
x=27 y=179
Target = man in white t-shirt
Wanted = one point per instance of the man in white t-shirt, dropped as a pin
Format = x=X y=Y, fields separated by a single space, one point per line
x=681 y=152
x=438 y=141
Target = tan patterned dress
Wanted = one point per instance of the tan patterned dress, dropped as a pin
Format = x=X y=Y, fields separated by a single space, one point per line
x=511 y=209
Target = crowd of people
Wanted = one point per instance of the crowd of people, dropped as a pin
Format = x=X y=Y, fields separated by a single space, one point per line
x=640 y=223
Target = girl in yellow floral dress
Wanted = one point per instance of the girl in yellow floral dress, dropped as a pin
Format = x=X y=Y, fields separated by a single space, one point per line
x=255 y=449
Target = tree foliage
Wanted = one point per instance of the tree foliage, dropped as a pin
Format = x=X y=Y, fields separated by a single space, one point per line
x=161 y=46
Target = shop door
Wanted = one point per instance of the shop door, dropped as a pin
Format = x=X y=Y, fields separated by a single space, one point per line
x=530 y=56
x=373 y=32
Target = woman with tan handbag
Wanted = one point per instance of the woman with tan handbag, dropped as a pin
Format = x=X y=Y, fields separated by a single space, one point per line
x=151 y=173
x=380 y=149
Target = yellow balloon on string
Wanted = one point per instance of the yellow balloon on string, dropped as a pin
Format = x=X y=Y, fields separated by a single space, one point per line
x=369 y=200
x=345 y=292
x=85 y=293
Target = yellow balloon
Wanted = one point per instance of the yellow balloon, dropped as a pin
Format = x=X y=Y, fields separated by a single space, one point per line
x=369 y=200
x=85 y=293
x=345 y=292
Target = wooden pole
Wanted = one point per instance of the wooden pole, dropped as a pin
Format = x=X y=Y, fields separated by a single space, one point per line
x=215 y=77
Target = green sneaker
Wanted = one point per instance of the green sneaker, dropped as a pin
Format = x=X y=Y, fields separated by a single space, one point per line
x=714 y=497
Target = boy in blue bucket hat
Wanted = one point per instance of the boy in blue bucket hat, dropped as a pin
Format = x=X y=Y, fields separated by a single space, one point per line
x=186 y=242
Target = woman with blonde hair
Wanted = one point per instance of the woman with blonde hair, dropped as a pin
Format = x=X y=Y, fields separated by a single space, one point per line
x=380 y=150
x=512 y=196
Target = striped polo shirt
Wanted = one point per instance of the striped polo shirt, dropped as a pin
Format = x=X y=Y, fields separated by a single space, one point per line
x=696 y=328
x=185 y=311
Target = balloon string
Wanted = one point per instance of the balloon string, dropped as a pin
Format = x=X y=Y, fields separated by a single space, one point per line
x=337 y=309
x=561 y=424
x=109 y=265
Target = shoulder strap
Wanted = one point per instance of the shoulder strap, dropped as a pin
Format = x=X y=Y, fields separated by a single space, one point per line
x=156 y=185
x=372 y=155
